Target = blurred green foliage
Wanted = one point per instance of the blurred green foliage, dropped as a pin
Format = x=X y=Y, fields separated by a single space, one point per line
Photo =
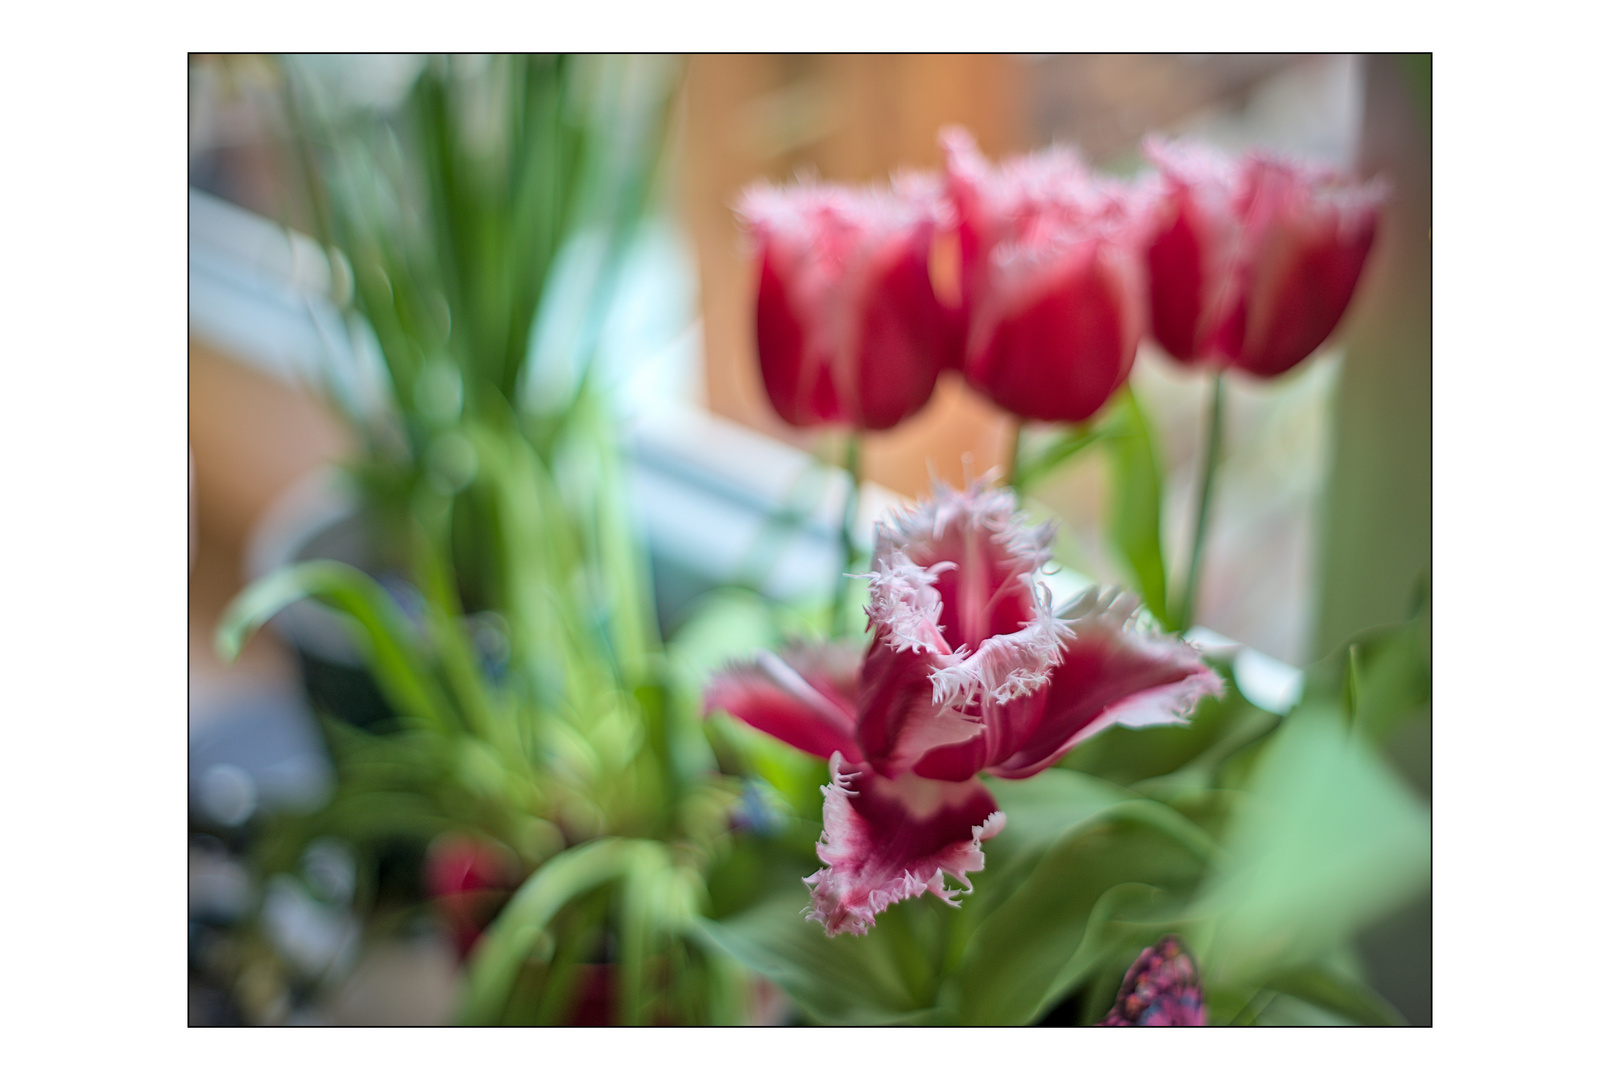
x=538 y=712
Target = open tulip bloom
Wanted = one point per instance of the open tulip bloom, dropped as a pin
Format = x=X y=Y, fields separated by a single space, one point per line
x=969 y=671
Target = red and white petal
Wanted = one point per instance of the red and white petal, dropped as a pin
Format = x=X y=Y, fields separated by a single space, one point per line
x=956 y=569
x=1307 y=233
x=1109 y=674
x=806 y=697
x=1006 y=666
x=849 y=330
x=889 y=840
x=898 y=721
x=1194 y=252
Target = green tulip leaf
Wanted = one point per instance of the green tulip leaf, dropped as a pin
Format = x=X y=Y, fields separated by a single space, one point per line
x=1026 y=947
x=396 y=659
x=1329 y=840
x=1336 y=993
x=507 y=943
x=840 y=980
x=1133 y=520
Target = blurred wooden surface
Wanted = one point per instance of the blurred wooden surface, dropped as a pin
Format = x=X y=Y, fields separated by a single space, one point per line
x=252 y=436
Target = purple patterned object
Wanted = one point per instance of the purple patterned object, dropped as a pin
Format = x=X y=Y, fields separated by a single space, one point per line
x=1160 y=990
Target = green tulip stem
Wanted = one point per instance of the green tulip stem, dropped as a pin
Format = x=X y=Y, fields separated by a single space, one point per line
x=1212 y=453
x=1015 y=475
x=852 y=466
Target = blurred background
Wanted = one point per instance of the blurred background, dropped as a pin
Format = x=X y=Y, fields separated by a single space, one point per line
x=1322 y=528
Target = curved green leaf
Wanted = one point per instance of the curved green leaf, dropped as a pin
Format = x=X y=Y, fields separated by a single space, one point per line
x=1133 y=519
x=396 y=660
x=1326 y=989
x=500 y=954
x=841 y=980
x=1014 y=961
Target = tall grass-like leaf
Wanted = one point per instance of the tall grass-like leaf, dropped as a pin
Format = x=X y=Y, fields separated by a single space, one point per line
x=508 y=941
x=400 y=666
x=443 y=614
x=618 y=562
x=1390 y=669
x=659 y=903
x=1056 y=452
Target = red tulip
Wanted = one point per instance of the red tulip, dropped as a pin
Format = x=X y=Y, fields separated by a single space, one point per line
x=849 y=329
x=1052 y=280
x=1252 y=263
x=969 y=670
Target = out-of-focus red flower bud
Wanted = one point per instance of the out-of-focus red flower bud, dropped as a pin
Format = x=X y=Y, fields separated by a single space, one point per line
x=468 y=880
x=1052 y=280
x=1252 y=263
x=849 y=328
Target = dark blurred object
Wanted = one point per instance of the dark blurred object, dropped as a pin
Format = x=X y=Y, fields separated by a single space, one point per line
x=260 y=751
x=1160 y=989
x=468 y=880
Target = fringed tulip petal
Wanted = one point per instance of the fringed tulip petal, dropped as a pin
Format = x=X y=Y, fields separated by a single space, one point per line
x=975 y=553
x=969 y=670
x=848 y=327
x=1110 y=674
x=889 y=840
x=1192 y=256
x=898 y=721
x=806 y=697
x=1307 y=236
x=1251 y=263
x=1052 y=280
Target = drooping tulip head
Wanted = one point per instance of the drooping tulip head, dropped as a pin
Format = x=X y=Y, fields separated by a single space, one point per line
x=848 y=327
x=1252 y=263
x=1161 y=989
x=1052 y=281
x=969 y=670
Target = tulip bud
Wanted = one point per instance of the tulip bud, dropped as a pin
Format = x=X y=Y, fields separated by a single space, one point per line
x=849 y=329
x=1052 y=280
x=1252 y=264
